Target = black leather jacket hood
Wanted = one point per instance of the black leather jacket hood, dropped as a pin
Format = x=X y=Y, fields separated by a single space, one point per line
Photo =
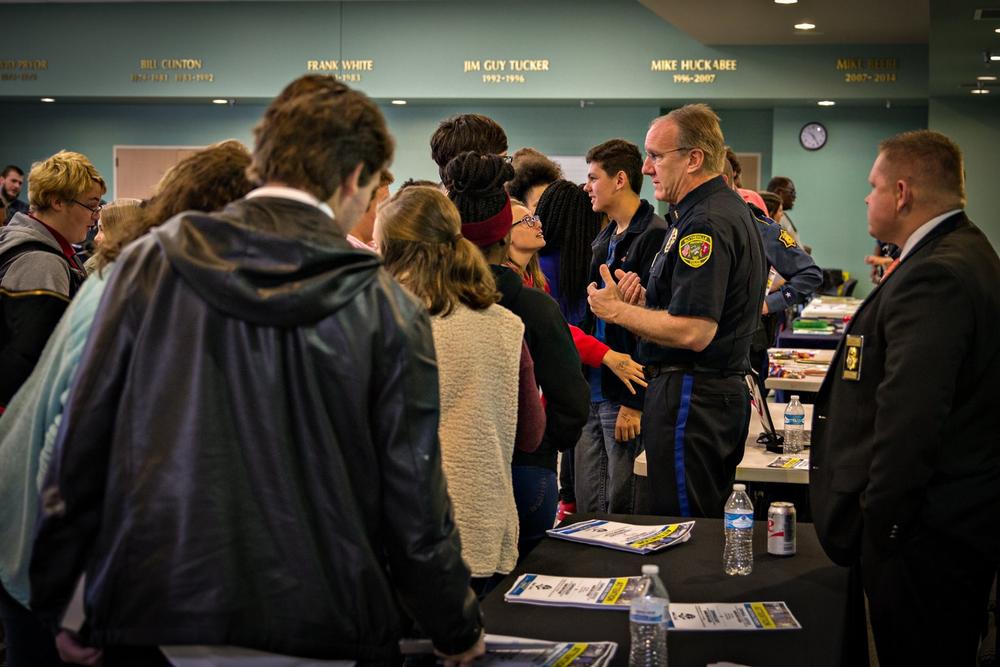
x=258 y=273
x=249 y=454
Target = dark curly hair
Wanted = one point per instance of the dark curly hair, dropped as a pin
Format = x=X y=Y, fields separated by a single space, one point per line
x=531 y=168
x=466 y=132
x=734 y=162
x=475 y=184
x=570 y=225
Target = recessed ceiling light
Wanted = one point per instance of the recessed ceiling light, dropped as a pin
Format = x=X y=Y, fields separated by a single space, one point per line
x=980 y=91
x=826 y=103
x=48 y=99
x=805 y=25
x=785 y=2
x=220 y=101
x=399 y=103
x=986 y=77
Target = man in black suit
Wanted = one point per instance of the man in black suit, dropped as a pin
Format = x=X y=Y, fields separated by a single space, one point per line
x=905 y=479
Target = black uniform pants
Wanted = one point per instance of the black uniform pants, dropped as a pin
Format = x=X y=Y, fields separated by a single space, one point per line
x=694 y=427
x=927 y=601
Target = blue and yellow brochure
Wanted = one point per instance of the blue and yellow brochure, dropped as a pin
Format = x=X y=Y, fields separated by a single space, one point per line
x=588 y=593
x=521 y=651
x=625 y=536
x=617 y=593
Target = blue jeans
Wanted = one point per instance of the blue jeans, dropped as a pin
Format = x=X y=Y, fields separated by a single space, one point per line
x=536 y=495
x=605 y=481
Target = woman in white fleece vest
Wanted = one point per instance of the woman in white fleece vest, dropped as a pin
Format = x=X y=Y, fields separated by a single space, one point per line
x=481 y=360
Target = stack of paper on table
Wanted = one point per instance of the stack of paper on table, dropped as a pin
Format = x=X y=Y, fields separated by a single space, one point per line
x=617 y=593
x=800 y=462
x=515 y=651
x=588 y=593
x=625 y=536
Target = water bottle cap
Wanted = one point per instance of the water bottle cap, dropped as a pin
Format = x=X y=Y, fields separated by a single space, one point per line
x=795 y=397
x=739 y=487
x=650 y=569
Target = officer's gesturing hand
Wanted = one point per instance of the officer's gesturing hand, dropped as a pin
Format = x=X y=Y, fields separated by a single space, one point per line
x=630 y=287
x=606 y=302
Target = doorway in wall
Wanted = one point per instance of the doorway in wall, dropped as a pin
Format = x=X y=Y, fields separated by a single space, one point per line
x=750 y=163
x=139 y=168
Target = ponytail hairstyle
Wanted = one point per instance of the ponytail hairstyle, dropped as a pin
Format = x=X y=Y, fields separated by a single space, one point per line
x=423 y=247
x=570 y=225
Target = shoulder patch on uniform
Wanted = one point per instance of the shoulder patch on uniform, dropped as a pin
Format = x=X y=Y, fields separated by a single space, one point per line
x=760 y=216
x=786 y=239
x=670 y=241
x=695 y=249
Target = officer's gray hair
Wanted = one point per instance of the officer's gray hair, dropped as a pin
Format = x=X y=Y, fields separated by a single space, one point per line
x=698 y=127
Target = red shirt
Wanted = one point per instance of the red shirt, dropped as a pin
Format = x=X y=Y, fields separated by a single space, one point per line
x=67 y=248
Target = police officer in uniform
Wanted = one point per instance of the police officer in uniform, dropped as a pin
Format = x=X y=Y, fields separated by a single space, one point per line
x=801 y=275
x=696 y=317
x=791 y=263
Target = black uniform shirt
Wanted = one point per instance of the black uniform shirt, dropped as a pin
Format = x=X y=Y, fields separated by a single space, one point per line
x=711 y=265
x=781 y=250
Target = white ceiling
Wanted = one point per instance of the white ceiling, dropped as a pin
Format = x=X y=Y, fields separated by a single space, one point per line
x=731 y=22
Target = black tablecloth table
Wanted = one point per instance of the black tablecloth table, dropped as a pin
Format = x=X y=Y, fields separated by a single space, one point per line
x=816 y=591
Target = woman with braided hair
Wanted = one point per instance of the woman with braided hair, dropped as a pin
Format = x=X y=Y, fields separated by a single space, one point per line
x=571 y=225
x=475 y=184
x=488 y=391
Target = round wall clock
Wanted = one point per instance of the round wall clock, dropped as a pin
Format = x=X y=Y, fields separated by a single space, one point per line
x=812 y=136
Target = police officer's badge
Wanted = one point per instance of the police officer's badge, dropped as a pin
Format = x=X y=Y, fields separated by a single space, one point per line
x=786 y=239
x=853 y=346
x=695 y=249
x=670 y=241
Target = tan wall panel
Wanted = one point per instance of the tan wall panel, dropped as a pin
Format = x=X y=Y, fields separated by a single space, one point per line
x=139 y=168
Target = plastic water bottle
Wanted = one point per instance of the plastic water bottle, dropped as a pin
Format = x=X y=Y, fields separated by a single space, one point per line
x=795 y=427
x=648 y=617
x=737 y=555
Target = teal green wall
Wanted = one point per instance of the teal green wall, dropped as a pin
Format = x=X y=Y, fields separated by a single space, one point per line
x=750 y=131
x=94 y=129
x=832 y=182
x=595 y=50
x=975 y=125
x=554 y=130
